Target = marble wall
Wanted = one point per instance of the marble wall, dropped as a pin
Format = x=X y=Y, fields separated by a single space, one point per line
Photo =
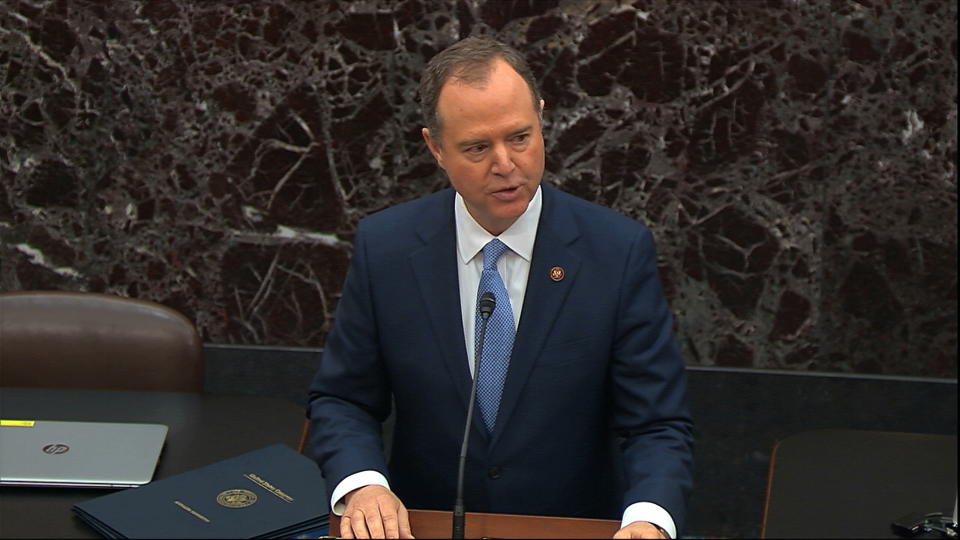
x=795 y=158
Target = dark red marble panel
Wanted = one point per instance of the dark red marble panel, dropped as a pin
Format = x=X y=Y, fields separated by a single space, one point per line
x=796 y=160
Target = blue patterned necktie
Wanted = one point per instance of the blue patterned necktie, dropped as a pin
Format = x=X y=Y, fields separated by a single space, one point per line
x=498 y=342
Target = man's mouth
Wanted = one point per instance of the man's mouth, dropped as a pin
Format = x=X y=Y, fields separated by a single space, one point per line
x=507 y=194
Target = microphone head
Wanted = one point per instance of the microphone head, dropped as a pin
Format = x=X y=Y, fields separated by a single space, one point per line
x=488 y=302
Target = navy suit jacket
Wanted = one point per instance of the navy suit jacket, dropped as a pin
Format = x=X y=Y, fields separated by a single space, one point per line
x=594 y=411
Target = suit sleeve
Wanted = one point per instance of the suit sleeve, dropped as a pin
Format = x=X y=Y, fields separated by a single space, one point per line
x=651 y=416
x=350 y=396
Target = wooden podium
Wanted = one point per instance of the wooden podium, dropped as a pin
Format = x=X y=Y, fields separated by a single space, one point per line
x=439 y=524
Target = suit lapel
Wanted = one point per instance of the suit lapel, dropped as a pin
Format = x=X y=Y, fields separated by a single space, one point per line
x=435 y=268
x=543 y=299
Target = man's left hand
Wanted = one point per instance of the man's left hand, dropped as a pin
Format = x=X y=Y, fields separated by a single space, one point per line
x=640 y=529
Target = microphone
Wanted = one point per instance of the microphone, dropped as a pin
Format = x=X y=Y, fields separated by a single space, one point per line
x=487 y=303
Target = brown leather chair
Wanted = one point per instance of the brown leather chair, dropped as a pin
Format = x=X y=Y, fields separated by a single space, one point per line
x=58 y=339
x=304 y=435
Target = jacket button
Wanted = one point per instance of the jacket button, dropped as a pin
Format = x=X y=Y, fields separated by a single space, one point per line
x=494 y=472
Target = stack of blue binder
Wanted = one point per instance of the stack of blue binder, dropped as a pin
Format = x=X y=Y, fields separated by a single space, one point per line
x=273 y=492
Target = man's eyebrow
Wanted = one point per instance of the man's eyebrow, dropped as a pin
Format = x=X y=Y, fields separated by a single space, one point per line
x=518 y=131
x=471 y=142
x=481 y=140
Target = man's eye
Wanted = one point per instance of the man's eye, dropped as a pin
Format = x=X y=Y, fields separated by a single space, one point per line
x=521 y=138
x=476 y=149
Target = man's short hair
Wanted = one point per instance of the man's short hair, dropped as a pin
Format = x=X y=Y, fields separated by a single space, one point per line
x=468 y=60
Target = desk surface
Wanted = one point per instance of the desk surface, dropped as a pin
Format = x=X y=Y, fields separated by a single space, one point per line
x=836 y=483
x=203 y=429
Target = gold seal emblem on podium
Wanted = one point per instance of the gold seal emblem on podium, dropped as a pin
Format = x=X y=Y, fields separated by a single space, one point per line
x=236 y=498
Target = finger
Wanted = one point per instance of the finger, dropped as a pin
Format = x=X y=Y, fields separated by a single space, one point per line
x=374 y=524
x=404 y=523
x=345 y=530
x=358 y=525
x=391 y=528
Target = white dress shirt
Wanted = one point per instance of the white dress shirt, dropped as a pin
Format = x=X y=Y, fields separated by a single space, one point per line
x=514 y=268
x=513 y=265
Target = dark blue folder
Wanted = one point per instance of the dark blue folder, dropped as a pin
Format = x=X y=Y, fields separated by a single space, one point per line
x=268 y=493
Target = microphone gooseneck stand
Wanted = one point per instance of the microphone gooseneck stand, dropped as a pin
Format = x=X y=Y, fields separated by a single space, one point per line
x=487 y=303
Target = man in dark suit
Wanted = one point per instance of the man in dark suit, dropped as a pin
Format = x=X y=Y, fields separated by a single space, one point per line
x=582 y=391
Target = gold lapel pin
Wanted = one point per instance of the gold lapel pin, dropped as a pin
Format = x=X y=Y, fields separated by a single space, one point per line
x=556 y=273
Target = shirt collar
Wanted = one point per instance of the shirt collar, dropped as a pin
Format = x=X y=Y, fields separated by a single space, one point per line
x=519 y=237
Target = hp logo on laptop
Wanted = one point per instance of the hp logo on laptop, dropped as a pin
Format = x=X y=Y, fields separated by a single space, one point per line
x=55 y=449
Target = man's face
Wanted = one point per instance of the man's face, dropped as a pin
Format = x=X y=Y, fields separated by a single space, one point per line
x=491 y=145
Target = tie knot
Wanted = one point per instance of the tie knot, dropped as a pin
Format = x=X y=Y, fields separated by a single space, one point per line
x=491 y=252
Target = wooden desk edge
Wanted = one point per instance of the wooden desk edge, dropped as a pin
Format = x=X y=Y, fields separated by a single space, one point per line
x=439 y=524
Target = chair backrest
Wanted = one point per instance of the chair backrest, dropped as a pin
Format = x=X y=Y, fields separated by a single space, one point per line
x=58 y=339
x=304 y=435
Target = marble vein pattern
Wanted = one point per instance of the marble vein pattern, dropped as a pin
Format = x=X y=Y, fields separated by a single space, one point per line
x=796 y=159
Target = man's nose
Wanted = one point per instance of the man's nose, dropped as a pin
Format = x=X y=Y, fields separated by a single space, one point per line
x=502 y=160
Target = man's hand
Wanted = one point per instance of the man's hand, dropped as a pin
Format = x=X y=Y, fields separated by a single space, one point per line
x=640 y=529
x=374 y=512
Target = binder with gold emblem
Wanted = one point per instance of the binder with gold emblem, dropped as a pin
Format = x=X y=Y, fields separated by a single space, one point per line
x=268 y=493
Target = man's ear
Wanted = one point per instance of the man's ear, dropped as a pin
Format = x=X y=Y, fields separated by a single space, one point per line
x=433 y=146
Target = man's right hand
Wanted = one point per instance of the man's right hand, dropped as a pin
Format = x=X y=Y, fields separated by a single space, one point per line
x=374 y=512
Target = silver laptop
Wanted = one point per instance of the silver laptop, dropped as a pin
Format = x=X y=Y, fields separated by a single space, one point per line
x=78 y=454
